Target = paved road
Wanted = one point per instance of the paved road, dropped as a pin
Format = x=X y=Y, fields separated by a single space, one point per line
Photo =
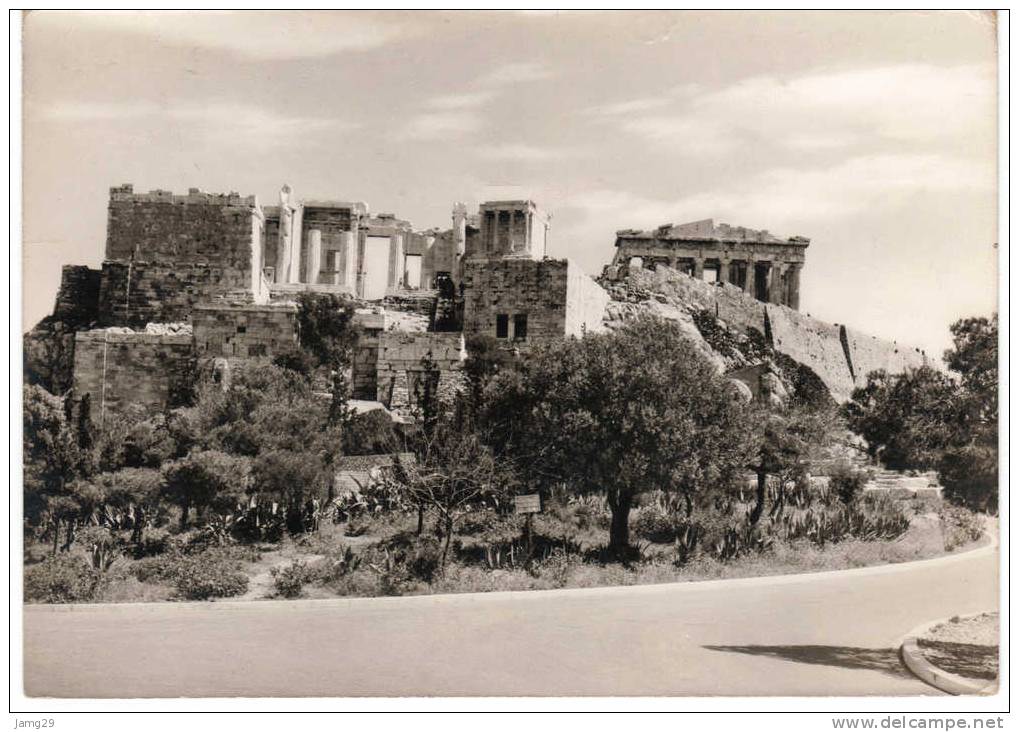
x=832 y=634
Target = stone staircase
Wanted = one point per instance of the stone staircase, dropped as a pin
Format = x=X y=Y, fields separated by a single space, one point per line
x=901 y=484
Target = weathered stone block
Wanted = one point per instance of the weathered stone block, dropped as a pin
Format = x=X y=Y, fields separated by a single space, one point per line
x=118 y=369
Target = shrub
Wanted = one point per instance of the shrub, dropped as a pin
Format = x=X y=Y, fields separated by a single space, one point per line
x=959 y=526
x=333 y=568
x=153 y=543
x=199 y=580
x=655 y=525
x=378 y=496
x=213 y=573
x=158 y=568
x=62 y=578
x=970 y=477
x=590 y=512
x=404 y=562
x=557 y=567
x=847 y=482
x=289 y=580
x=872 y=518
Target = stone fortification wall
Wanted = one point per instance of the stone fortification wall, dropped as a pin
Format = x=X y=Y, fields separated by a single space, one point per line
x=839 y=356
x=585 y=302
x=135 y=293
x=540 y=289
x=813 y=343
x=118 y=368
x=401 y=366
x=218 y=234
x=49 y=346
x=867 y=353
x=231 y=330
x=78 y=296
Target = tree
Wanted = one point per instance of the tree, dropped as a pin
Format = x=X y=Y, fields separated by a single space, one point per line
x=968 y=468
x=453 y=474
x=486 y=357
x=926 y=419
x=53 y=459
x=907 y=419
x=131 y=497
x=206 y=479
x=975 y=358
x=326 y=327
x=294 y=479
x=786 y=439
x=629 y=411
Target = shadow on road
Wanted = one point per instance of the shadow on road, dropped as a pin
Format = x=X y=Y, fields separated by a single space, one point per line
x=965 y=659
x=885 y=660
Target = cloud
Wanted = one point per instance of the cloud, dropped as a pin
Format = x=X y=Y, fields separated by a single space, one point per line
x=467 y=100
x=521 y=152
x=514 y=73
x=912 y=103
x=434 y=125
x=447 y=114
x=630 y=106
x=257 y=35
x=791 y=199
x=461 y=113
x=243 y=123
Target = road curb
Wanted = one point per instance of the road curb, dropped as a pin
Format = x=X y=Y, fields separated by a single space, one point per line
x=937 y=677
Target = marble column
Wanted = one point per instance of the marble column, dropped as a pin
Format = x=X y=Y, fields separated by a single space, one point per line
x=460 y=228
x=519 y=232
x=362 y=238
x=794 y=286
x=748 y=281
x=297 y=239
x=285 y=241
x=698 y=268
x=314 y=260
x=345 y=267
x=775 y=283
x=395 y=261
x=723 y=269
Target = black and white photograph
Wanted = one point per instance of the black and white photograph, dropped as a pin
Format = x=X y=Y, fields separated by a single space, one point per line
x=472 y=354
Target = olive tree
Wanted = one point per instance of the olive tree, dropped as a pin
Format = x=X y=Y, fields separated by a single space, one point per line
x=624 y=412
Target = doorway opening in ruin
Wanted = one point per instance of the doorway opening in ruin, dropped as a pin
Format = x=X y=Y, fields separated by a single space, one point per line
x=738 y=274
x=761 y=281
x=412 y=271
x=712 y=271
x=376 y=267
x=685 y=266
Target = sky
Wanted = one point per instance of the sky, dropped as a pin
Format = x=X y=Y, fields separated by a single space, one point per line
x=872 y=133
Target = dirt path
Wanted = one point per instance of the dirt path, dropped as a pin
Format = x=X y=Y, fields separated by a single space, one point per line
x=260 y=584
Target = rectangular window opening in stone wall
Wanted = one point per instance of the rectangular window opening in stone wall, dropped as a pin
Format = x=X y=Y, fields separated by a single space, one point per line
x=502 y=325
x=520 y=327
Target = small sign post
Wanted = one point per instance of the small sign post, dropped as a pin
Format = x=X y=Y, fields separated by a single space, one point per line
x=528 y=505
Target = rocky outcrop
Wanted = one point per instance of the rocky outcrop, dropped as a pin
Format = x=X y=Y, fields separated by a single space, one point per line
x=776 y=351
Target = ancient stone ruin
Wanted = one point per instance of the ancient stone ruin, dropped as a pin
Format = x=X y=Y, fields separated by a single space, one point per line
x=200 y=282
x=759 y=263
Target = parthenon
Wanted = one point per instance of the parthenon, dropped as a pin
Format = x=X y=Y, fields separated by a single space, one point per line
x=760 y=263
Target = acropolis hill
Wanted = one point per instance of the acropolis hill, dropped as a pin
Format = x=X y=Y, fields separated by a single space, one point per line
x=197 y=282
